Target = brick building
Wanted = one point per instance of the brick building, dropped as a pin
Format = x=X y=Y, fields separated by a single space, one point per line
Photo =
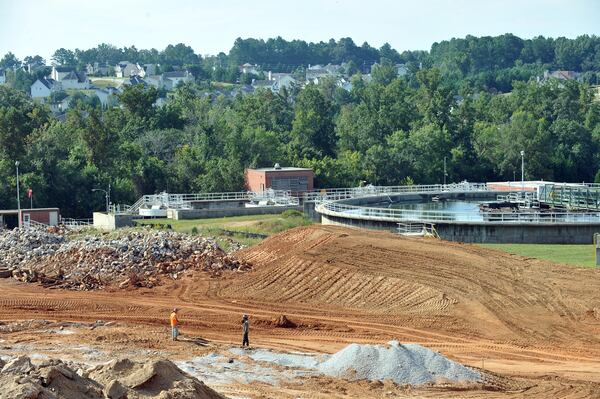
x=9 y=217
x=296 y=180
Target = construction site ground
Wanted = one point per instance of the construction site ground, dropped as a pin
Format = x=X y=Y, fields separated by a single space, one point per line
x=534 y=325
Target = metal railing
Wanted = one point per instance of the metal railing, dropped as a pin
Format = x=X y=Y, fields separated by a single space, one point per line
x=332 y=194
x=417 y=229
x=73 y=223
x=399 y=215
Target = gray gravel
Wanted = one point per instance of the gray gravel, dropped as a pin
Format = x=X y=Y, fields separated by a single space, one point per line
x=404 y=364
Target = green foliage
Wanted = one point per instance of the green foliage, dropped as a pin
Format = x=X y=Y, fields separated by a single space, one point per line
x=388 y=131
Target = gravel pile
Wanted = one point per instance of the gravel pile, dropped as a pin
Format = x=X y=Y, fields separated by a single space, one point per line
x=131 y=258
x=403 y=363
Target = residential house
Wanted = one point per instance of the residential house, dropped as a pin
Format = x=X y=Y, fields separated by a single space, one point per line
x=132 y=81
x=276 y=83
x=316 y=73
x=262 y=84
x=562 y=75
x=69 y=78
x=2 y=76
x=97 y=69
x=33 y=67
x=60 y=106
x=107 y=96
x=149 y=69
x=60 y=71
x=172 y=79
x=345 y=84
x=43 y=87
x=75 y=80
x=286 y=81
x=248 y=68
x=155 y=81
x=401 y=69
x=125 y=69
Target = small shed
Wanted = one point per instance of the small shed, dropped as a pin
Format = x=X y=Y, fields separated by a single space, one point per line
x=9 y=218
x=295 y=180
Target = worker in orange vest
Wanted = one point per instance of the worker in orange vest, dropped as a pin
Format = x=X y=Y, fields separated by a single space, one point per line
x=174 y=324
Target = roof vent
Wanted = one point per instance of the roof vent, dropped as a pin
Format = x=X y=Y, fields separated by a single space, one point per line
x=277 y=166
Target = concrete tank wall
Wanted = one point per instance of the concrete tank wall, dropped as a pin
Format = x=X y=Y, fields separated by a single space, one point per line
x=489 y=233
x=181 y=214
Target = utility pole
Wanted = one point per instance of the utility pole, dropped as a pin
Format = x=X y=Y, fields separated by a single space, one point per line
x=18 y=195
x=445 y=174
x=522 y=170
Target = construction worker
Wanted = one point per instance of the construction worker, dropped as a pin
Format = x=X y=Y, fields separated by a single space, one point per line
x=245 y=330
x=174 y=324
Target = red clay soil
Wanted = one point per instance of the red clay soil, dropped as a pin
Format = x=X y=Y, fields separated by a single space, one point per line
x=531 y=321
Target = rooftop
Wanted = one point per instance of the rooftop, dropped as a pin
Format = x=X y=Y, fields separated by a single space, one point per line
x=283 y=168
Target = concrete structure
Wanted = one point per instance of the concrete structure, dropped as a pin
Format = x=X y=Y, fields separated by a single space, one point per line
x=9 y=217
x=111 y=221
x=295 y=180
x=182 y=214
x=532 y=229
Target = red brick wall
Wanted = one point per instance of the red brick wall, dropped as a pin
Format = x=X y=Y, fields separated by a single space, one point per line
x=257 y=180
x=41 y=216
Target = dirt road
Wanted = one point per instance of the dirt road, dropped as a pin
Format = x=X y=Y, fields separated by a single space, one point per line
x=523 y=318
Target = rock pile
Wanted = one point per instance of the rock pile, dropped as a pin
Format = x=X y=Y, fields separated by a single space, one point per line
x=132 y=258
x=120 y=379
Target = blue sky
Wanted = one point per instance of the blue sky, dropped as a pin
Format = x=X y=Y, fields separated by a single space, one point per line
x=29 y=27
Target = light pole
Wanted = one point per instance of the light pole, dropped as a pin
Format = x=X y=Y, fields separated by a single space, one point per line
x=18 y=195
x=522 y=170
x=106 y=195
x=445 y=174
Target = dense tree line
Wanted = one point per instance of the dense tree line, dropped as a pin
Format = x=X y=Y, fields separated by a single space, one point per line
x=389 y=131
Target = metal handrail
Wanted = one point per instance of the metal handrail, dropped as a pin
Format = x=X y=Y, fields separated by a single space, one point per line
x=355 y=192
x=398 y=215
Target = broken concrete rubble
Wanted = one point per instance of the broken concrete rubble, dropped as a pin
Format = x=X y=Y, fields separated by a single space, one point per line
x=129 y=259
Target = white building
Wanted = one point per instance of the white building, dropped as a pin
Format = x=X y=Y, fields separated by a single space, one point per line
x=42 y=88
x=173 y=79
x=2 y=76
x=107 y=96
x=125 y=69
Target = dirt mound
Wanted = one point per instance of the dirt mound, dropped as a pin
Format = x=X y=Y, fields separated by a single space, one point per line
x=430 y=283
x=119 y=379
x=128 y=259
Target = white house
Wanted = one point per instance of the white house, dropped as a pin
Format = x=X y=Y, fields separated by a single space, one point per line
x=248 y=68
x=155 y=81
x=173 y=79
x=75 y=80
x=401 y=69
x=285 y=81
x=59 y=72
x=107 y=96
x=125 y=69
x=43 y=87
x=97 y=69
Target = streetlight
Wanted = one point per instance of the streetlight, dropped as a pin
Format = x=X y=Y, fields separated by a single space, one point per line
x=18 y=196
x=106 y=195
x=445 y=174
x=522 y=170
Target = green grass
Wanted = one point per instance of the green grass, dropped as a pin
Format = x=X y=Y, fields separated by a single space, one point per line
x=257 y=224
x=577 y=255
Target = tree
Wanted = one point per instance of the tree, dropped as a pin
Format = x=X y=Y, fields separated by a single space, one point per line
x=312 y=130
x=64 y=57
x=10 y=61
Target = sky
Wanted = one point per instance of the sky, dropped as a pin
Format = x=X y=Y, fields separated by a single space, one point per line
x=35 y=27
